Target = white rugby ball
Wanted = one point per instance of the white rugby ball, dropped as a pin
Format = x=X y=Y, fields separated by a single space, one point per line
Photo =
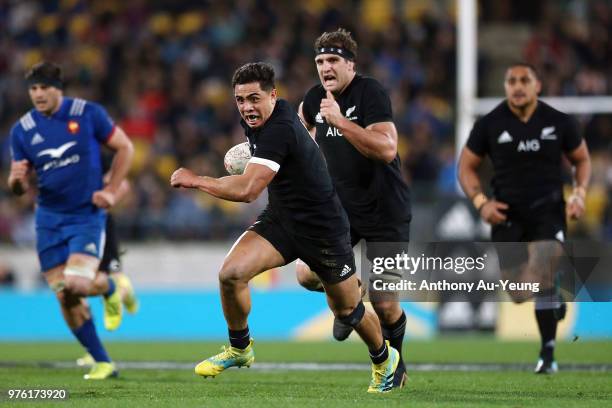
x=236 y=158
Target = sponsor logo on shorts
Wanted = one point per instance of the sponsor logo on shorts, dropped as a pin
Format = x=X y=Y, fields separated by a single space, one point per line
x=345 y=270
x=560 y=236
x=91 y=248
x=114 y=265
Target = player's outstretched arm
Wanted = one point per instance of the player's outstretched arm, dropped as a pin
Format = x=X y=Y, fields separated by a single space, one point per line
x=377 y=141
x=581 y=160
x=490 y=210
x=18 y=176
x=243 y=188
x=122 y=161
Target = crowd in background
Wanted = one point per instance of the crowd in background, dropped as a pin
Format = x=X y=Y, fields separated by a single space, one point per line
x=162 y=70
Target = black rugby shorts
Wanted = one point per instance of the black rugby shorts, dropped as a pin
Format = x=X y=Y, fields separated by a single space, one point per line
x=544 y=224
x=331 y=258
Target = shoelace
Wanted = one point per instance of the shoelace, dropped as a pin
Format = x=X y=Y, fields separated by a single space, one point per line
x=226 y=353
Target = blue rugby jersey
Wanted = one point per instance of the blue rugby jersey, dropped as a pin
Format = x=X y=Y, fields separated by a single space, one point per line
x=64 y=149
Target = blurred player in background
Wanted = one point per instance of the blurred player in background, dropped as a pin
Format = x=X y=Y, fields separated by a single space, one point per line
x=304 y=219
x=352 y=122
x=111 y=257
x=60 y=140
x=526 y=139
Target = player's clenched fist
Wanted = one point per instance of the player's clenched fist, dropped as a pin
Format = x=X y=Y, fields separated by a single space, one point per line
x=330 y=109
x=18 y=176
x=103 y=198
x=183 y=178
x=574 y=208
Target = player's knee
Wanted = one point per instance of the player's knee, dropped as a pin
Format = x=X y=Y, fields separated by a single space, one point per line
x=67 y=299
x=308 y=279
x=351 y=316
x=78 y=287
x=232 y=273
x=387 y=311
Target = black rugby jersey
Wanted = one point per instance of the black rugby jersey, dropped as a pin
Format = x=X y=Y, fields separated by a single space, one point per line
x=373 y=193
x=301 y=195
x=526 y=157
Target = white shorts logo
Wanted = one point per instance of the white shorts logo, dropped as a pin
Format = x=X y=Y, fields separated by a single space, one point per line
x=345 y=270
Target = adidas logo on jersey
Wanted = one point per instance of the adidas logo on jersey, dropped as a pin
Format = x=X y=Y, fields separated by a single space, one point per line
x=91 y=248
x=504 y=137
x=319 y=118
x=37 y=139
x=345 y=270
x=548 y=133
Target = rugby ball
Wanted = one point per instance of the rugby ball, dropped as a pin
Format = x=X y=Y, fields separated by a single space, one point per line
x=236 y=158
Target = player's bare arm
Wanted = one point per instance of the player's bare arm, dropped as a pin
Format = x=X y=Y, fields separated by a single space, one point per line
x=377 y=141
x=124 y=151
x=18 y=176
x=124 y=188
x=581 y=161
x=241 y=188
x=490 y=210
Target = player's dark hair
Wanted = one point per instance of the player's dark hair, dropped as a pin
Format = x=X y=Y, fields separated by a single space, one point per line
x=340 y=38
x=46 y=73
x=526 y=65
x=255 y=72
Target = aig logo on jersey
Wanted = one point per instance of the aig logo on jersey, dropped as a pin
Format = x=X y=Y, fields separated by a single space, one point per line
x=73 y=127
x=532 y=145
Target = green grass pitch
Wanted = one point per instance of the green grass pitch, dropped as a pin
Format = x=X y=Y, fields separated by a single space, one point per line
x=275 y=388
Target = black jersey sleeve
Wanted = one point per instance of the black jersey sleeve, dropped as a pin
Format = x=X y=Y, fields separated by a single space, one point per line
x=571 y=135
x=273 y=145
x=310 y=105
x=376 y=103
x=477 y=141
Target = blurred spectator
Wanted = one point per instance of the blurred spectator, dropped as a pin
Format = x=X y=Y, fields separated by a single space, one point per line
x=7 y=276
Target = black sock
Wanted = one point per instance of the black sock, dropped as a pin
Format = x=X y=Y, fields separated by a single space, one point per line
x=380 y=355
x=239 y=338
x=395 y=333
x=547 y=324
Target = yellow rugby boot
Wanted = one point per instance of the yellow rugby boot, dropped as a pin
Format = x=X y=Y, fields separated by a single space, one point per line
x=383 y=373
x=130 y=301
x=113 y=309
x=229 y=357
x=85 y=361
x=102 y=371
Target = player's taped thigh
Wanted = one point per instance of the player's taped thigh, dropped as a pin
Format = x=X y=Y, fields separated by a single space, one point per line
x=355 y=317
x=80 y=270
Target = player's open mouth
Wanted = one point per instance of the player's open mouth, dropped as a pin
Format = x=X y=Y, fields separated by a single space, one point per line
x=329 y=79
x=251 y=118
